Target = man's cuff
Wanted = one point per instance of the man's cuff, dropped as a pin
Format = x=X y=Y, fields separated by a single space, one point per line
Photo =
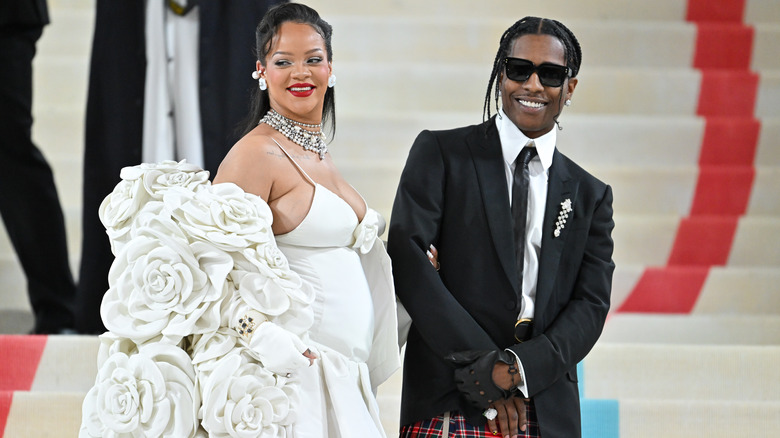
x=523 y=387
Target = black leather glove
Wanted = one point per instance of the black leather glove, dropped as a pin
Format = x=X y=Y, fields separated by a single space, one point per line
x=474 y=375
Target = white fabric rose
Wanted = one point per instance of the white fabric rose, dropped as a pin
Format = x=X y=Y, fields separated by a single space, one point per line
x=157 y=178
x=243 y=400
x=208 y=348
x=143 y=187
x=111 y=344
x=283 y=300
x=161 y=284
x=118 y=209
x=148 y=394
x=367 y=231
x=225 y=216
x=191 y=258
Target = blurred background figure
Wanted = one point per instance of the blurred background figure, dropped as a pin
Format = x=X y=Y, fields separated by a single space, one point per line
x=29 y=204
x=169 y=80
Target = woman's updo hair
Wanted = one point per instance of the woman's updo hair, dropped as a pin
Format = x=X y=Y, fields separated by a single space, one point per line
x=572 y=52
x=267 y=29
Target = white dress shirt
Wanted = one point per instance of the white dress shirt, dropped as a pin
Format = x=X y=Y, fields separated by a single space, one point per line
x=512 y=142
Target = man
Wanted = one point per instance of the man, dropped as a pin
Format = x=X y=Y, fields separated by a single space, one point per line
x=29 y=203
x=498 y=330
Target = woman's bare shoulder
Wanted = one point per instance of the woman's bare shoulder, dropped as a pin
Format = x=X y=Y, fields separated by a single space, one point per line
x=250 y=163
x=251 y=150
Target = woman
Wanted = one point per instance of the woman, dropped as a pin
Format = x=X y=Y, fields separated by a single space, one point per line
x=283 y=159
x=261 y=305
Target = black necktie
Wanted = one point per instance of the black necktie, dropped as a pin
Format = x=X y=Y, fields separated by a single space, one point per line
x=520 y=202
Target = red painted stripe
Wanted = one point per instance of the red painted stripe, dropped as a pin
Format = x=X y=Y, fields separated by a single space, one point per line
x=719 y=10
x=671 y=289
x=723 y=45
x=703 y=241
x=21 y=356
x=728 y=93
x=723 y=190
x=6 y=397
x=729 y=141
x=727 y=100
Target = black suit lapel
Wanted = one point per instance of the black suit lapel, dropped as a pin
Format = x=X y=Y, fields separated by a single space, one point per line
x=560 y=187
x=489 y=165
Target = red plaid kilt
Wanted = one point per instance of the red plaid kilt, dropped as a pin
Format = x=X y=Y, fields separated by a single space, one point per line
x=460 y=428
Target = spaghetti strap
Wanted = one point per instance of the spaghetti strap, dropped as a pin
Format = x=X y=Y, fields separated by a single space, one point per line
x=295 y=162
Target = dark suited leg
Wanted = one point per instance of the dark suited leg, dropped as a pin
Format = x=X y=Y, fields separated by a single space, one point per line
x=29 y=203
x=96 y=261
x=112 y=139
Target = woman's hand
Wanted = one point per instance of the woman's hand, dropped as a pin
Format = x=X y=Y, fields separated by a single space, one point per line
x=309 y=355
x=433 y=257
x=510 y=419
x=280 y=351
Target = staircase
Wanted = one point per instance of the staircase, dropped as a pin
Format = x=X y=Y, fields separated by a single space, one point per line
x=677 y=107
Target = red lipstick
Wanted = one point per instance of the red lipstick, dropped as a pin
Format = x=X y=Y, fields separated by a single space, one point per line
x=301 y=90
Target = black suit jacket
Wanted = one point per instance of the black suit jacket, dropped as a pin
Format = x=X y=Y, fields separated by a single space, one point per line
x=453 y=194
x=23 y=13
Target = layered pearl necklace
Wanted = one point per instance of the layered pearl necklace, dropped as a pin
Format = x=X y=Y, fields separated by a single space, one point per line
x=293 y=130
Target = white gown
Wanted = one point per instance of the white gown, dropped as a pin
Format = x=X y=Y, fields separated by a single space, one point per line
x=209 y=312
x=337 y=399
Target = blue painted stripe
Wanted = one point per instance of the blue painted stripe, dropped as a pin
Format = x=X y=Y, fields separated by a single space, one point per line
x=600 y=418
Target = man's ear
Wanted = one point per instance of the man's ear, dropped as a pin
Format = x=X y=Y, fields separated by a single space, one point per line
x=570 y=87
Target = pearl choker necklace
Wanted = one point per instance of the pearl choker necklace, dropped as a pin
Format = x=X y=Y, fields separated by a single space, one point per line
x=292 y=129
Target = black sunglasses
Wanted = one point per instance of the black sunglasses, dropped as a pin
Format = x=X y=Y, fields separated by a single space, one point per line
x=550 y=75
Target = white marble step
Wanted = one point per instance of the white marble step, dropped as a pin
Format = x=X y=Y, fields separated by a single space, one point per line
x=698 y=418
x=756 y=11
x=59 y=134
x=416 y=39
x=727 y=290
x=70 y=31
x=661 y=10
x=60 y=81
x=647 y=240
x=761 y=11
x=698 y=329
x=765 y=40
x=680 y=371
x=644 y=44
x=735 y=290
x=44 y=415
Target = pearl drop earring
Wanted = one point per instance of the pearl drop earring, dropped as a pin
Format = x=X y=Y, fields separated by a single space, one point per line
x=260 y=81
x=568 y=102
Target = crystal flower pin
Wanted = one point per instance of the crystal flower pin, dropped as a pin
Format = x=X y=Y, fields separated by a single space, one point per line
x=560 y=223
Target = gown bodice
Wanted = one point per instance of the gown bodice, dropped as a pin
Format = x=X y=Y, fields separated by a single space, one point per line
x=319 y=250
x=329 y=222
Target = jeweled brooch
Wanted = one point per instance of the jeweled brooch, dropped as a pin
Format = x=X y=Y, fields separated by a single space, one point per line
x=560 y=223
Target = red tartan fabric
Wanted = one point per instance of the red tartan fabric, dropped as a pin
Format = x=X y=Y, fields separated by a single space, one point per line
x=460 y=428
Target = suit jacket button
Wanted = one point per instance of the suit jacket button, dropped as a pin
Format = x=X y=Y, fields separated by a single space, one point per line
x=511 y=305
